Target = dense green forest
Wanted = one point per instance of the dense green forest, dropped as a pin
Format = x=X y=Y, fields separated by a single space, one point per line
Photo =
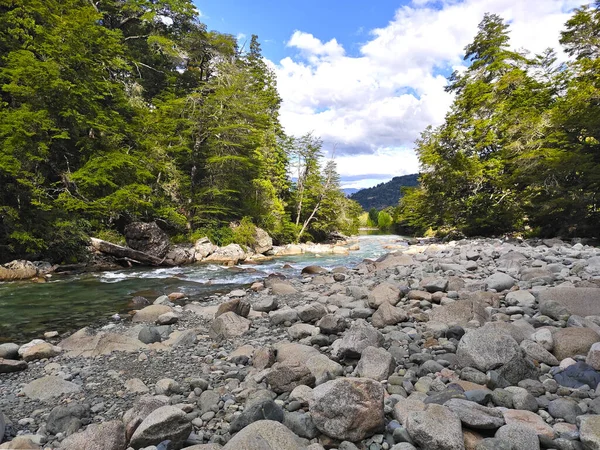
x=386 y=194
x=520 y=148
x=116 y=111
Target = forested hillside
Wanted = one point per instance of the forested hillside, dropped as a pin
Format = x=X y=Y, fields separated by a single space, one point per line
x=115 y=111
x=384 y=194
x=520 y=147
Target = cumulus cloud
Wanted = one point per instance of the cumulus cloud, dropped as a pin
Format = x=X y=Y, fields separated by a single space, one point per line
x=374 y=105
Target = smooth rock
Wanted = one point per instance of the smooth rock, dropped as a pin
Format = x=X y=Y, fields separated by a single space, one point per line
x=264 y=435
x=375 y=363
x=436 y=428
x=229 y=325
x=164 y=423
x=49 y=387
x=474 y=415
x=348 y=408
x=569 y=342
x=104 y=436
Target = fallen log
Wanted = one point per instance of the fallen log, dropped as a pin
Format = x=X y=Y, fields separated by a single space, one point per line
x=125 y=252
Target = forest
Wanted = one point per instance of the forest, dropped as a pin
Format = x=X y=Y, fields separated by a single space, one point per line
x=116 y=111
x=519 y=151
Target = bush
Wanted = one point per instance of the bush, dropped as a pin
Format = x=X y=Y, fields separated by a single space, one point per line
x=111 y=236
x=243 y=234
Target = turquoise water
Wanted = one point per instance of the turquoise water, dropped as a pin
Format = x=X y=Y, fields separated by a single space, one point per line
x=68 y=303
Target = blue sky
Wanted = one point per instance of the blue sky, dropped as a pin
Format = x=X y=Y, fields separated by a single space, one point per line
x=275 y=21
x=369 y=77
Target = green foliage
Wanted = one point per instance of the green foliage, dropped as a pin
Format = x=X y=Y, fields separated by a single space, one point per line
x=519 y=149
x=384 y=220
x=115 y=111
x=245 y=233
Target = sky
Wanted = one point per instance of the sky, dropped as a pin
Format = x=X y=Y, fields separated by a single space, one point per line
x=368 y=76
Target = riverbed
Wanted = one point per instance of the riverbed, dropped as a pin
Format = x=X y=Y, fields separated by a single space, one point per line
x=67 y=303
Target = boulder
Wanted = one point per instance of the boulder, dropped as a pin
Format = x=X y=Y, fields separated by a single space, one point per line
x=165 y=423
x=236 y=305
x=593 y=356
x=142 y=407
x=500 y=281
x=569 y=342
x=229 y=325
x=332 y=324
x=313 y=270
x=264 y=435
x=348 y=408
x=49 y=387
x=87 y=344
x=519 y=436
x=538 y=353
x=229 y=255
x=261 y=409
x=589 y=432
x=384 y=292
x=387 y=314
x=435 y=428
x=528 y=420
x=579 y=301
x=486 y=348
x=311 y=312
x=179 y=255
x=11 y=365
x=17 y=270
x=460 y=313
x=150 y=314
x=474 y=415
x=375 y=363
x=262 y=241
x=360 y=336
x=282 y=288
x=202 y=248
x=578 y=374
x=103 y=436
x=285 y=377
x=43 y=350
x=147 y=238
x=9 y=351
x=68 y=419
x=21 y=443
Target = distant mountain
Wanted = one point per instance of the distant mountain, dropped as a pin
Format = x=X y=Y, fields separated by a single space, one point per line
x=350 y=191
x=384 y=194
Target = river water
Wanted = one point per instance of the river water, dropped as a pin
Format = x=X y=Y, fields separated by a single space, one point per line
x=67 y=303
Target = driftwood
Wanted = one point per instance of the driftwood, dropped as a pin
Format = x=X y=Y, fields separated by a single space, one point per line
x=126 y=252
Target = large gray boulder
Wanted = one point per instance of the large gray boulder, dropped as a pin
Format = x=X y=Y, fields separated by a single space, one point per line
x=102 y=436
x=165 y=423
x=348 y=408
x=579 y=301
x=67 y=419
x=229 y=325
x=474 y=415
x=147 y=238
x=360 y=336
x=260 y=409
x=228 y=255
x=375 y=363
x=493 y=348
x=436 y=428
x=500 y=281
x=49 y=387
x=262 y=241
x=264 y=435
x=142 y=407
x=486 y=348
x=460 y=313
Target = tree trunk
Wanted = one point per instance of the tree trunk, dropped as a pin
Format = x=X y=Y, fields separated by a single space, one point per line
x=126 y=252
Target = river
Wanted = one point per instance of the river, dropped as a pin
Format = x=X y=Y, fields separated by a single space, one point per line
x=67 y=303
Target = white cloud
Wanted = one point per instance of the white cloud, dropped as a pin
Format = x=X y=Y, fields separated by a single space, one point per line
x=374 y=105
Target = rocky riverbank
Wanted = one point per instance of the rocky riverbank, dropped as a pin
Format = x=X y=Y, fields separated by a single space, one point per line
x=476 y=344
x=148 y=245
